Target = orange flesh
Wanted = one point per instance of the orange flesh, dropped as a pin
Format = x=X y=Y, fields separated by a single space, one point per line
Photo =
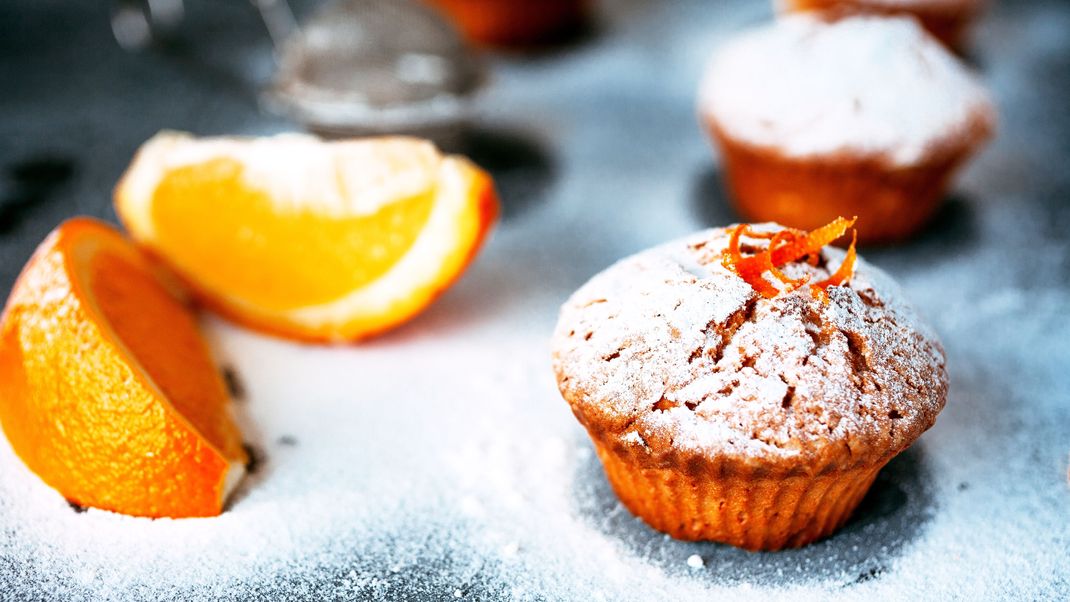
x=786 y=246
x=162 y=335
x=211 y=223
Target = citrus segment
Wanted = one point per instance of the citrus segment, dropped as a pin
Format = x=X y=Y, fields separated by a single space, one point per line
x=275 y=260
x=309 y=239
x=107 y=390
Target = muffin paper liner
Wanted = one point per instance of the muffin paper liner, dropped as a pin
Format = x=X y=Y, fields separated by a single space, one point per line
x=891 y=202
x=749 y=510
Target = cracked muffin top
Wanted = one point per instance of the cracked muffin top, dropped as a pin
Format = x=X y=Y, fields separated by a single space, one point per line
x=671 y=357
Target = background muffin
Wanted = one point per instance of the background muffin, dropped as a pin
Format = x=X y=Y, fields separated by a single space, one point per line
x=721 y=414
x=515 y=22
x=861 y=116
x=948 y=20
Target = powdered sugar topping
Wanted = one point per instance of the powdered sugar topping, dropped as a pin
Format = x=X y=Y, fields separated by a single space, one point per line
x=668 y=349
x=873 y=85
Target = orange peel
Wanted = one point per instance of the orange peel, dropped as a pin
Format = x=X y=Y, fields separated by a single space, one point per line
x=785 y=246
x=842 y=274
x=108 y=392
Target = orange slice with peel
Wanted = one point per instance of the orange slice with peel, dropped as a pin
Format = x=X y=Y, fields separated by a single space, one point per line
x=107 y=390
x=314 y=240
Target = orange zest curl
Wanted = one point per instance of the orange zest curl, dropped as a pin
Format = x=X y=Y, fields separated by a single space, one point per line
x=795 y=283
x=811 y=243
x=786 y=246
x=842 y=274
x=748 y=268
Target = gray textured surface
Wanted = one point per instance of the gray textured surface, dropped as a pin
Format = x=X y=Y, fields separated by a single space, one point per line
x=598 y=155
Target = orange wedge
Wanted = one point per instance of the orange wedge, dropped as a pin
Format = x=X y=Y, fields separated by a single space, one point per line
x=321 y=241
x=107 y=390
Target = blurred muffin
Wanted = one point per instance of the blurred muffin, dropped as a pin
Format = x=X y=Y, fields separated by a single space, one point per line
x=948 y=20
x=722 y=413
x=515 y=22
x=863 y=116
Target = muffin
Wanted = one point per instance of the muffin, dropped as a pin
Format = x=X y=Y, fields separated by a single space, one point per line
x=861 y=116
x=948 y=20
x=751 y=414
x=515 y=22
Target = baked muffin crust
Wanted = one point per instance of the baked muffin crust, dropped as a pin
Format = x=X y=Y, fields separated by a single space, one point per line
x=669 y=358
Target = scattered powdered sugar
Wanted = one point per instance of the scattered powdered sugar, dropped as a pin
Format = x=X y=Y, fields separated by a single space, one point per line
x=669 y=349
x=872 y=85
x=441 y=460
x=467 y=481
